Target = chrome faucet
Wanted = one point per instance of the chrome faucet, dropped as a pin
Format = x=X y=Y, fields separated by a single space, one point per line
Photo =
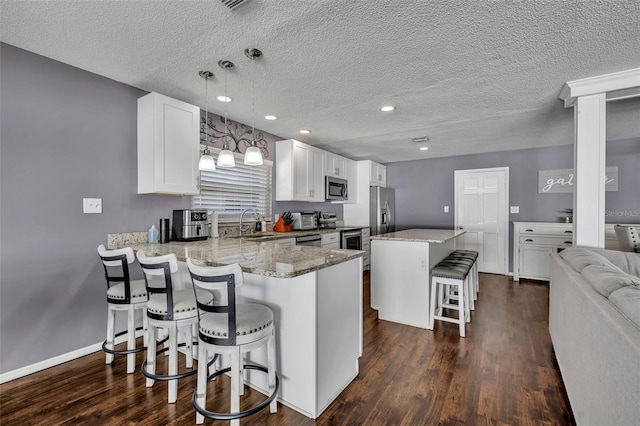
x=242 y=216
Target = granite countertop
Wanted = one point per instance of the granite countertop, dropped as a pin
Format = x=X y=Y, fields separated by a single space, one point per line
x=255 y=256
x=437 y=236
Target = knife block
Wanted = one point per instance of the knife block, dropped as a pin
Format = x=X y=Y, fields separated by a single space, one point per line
x=281 y=227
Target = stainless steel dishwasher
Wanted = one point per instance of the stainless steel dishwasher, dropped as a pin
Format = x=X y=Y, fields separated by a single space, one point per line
x=309 y=240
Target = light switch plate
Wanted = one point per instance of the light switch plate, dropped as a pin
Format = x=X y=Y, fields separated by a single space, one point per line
x=515 y=209
x=92 y=205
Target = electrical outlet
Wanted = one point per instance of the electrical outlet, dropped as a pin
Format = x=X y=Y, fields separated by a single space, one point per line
x=422 y=263
x=446 y=209
x=515 y=209
x=92 y=205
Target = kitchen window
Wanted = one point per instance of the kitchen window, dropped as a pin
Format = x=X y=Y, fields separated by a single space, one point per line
x=229 y=191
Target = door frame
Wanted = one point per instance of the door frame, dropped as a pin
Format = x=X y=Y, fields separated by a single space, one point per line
x=504 y=225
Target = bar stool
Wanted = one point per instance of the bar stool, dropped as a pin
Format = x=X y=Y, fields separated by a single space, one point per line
x=450 y=273
x=123 y=295
x=169 y=308
x=233 y=329
x=473 y=278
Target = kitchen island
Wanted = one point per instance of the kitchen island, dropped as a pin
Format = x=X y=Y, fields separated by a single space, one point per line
x=401 y=265
x=316 y=297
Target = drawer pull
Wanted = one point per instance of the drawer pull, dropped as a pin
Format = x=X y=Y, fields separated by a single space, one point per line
x=528 y=230
x=568 y=242
x=568 y=232
x=529 y=240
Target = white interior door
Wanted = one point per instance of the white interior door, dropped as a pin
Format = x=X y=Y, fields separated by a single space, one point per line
x=481 y=209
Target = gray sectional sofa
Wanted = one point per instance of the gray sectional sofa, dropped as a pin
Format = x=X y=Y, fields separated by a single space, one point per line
x=594 y=321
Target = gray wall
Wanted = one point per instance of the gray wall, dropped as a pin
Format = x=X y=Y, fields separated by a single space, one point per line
x=65 y=134
x=424 y=187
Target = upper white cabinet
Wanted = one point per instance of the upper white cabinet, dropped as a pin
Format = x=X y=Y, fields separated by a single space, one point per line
x=168 y=146
x=299 y=172
x=377 y=174
x=335 y=165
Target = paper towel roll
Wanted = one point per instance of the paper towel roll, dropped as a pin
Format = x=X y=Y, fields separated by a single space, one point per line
x=214 y=225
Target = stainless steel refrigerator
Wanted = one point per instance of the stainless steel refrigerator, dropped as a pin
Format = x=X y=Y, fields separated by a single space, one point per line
x=381 y=210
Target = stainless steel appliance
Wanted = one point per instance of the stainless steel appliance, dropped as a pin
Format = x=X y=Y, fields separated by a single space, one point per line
x=335 y=188
x=326 y=220
x=381 y=210
x=303 y=221
x=351 y=239
x=314 y=240
x=190 y=225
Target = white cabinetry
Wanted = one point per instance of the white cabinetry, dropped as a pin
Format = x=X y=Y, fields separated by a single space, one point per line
x=377 y=174
x=331 y=240
x=366 y=246
x=533 y=243
x=168 y=146
x=335 y=165
x=299 y=172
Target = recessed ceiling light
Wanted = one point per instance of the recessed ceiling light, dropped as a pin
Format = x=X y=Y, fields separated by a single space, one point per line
x=224 y=98
x=424 y=148
x=270 y=117
x=305 y=131
x=387 y=108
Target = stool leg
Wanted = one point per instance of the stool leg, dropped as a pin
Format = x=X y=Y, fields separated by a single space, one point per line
x=145 y=327
x=131 y=341
x=111 y=320
x=235 y=383
x=173 y=361
x=201 y=387
x=271 y=355
x=189 y=346
x=432 y=302
x=463 y=306
x=151 y=353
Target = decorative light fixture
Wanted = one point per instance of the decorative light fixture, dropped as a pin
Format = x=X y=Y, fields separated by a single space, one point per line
x=206 y=162
x=253 y=156
x=387 y=108
x=225 y=157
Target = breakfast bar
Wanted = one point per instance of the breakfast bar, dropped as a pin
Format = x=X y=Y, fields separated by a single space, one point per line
x=316 y=297
x=401 y=265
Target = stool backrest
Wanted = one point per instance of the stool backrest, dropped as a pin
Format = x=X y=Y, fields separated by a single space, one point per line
x=628 y=238
x=212 y=278
x=117 y=260
x=158 y=271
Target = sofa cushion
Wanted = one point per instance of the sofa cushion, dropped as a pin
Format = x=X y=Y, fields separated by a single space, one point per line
x=580 y=257
x=627 y=300
x=627 y=261
x=606 y=279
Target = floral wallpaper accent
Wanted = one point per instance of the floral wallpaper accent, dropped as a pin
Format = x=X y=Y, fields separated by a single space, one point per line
x=238 y=138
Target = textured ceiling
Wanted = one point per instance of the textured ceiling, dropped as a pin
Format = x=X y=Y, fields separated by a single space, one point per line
x=473 y=76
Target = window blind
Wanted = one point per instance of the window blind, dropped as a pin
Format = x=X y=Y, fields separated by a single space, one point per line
x=229 y=191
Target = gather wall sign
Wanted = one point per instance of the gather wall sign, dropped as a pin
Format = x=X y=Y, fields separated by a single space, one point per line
x=553 y=181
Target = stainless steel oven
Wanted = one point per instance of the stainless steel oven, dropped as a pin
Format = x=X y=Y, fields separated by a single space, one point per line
x=351 y=239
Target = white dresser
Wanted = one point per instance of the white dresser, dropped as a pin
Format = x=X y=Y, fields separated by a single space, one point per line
x=533 y=243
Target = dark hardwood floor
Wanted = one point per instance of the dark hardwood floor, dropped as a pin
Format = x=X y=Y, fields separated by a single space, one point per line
x=502 y=373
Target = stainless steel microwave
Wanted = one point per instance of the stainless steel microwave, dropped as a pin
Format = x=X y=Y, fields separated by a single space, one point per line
x=335 y=188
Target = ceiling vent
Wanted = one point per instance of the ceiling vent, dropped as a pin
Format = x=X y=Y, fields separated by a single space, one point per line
x=232 y=4
x=420 y=139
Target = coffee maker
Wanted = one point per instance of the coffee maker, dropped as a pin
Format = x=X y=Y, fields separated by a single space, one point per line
x=190 y=225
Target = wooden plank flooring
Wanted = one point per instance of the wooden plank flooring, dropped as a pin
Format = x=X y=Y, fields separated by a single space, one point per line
x=502 y=373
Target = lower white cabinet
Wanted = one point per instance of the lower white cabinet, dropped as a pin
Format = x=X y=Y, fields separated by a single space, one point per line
x=286 y=241
x=331 y=240
x=533 y=243
x=366 y=247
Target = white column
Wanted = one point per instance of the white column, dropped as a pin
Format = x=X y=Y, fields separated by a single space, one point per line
x=590 y=164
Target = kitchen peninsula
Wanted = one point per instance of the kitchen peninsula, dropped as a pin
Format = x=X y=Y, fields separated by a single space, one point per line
x=401 y=265
x=316 y=297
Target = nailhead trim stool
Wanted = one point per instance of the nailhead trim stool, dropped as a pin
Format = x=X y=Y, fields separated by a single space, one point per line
x=451 y=274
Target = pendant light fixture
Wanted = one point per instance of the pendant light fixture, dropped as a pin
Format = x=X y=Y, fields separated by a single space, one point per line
x=206 y=160
x=253 y=156
x=225 y=157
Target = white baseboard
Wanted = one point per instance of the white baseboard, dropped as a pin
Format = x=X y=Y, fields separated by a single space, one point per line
x=57 y=360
